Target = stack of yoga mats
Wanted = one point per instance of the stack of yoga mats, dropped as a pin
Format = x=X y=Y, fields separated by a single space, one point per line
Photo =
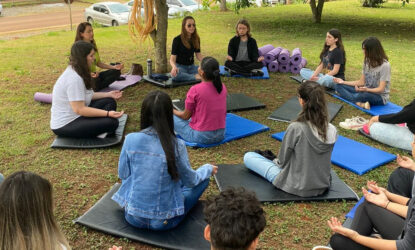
x=280 y=60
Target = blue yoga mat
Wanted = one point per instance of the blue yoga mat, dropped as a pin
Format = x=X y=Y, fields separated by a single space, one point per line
x=354 y=156
x=389 y=108
x=353 y=211
x=236 y=128
x=223 y=72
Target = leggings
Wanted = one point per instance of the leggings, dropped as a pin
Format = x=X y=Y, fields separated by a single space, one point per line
x=401 y=182
x=105 y=78
x=84 y=127
x=243 y=68
x=367 y=217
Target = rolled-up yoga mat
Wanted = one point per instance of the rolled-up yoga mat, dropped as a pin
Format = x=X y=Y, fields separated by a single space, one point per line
x=272 y=55
x=296 y=56
x=284 y=57
x=43 y=97
x=295 y=69
x=265 y=49
x=273 y=66
x=284 y=68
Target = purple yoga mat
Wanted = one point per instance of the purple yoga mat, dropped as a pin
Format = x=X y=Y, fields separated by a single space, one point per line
x=265 y=49
x=273 y=66
x=295 y=69
x=296 y=56
x=284 y=68
x=272 y=55
x=43 y=97
x=120 y=85
x=284 y=57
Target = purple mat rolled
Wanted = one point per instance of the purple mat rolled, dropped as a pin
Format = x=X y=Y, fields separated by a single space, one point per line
x=284 y=68
x=296 y=56
x=272 y=55
x=265 y=49
x=43 y=97
x=273 y=66
x=295 y=69
x=284 y=57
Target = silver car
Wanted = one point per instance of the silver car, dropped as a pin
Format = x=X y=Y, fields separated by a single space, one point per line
x=107 y=13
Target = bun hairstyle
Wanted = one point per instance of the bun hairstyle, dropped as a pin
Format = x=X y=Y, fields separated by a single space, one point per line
x=315 y=107
x=210 y=67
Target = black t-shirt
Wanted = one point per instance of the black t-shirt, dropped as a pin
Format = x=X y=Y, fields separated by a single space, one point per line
x=336 y=56
x=407 y=114
x=183 y=55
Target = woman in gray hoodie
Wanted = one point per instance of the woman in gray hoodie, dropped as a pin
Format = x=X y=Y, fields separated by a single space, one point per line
x=303 y=163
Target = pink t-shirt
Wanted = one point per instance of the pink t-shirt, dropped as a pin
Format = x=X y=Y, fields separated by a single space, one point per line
x=207 y=106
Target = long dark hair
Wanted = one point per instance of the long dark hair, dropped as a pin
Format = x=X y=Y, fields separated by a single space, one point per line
x=374 y=53
x=194 y=38
x=26 y=213
x=78 y=61
x=336 y=34
x=81 y=29
x=315 y=107
x=157 y=111
x=210 y=67
x=246 y=23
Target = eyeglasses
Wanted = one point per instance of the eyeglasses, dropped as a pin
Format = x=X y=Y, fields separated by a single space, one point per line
x=191 y=24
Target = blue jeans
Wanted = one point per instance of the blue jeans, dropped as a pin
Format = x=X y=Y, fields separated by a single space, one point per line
x=186 y=73
x=392 y=135
x=191 y=196
x=324 y=80
x=349 y=93
x=261 y=165
x=188 y=134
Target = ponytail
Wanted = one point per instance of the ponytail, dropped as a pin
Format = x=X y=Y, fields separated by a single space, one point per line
x=210 y=67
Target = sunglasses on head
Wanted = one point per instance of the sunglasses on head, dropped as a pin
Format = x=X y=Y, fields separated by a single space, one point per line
x=191 y=24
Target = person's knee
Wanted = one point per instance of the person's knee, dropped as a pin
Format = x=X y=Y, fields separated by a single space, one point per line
x=399 y=179
x=112 y=124
x=338 y=241
x=248 y=157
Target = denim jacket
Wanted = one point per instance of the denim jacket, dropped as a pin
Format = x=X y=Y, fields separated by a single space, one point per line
x=147 y=190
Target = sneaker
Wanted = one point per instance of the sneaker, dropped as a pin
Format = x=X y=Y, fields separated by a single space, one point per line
x=354 y=124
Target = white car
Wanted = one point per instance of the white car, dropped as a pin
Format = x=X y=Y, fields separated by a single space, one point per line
x=173 y=9
x=107 y=13
x=1 y=8
x=187 y=5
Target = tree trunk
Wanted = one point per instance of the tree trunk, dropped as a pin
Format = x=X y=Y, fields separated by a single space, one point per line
x=159 y=36
x=223 y=5
x=317 y=10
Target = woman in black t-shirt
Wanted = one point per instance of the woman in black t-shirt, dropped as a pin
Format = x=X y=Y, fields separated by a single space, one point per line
x=183 y=49
x=332 y=61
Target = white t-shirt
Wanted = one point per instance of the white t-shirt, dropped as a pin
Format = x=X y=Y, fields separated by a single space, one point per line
x=69 y=87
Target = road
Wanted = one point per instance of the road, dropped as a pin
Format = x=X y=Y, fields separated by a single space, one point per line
x=20 y=24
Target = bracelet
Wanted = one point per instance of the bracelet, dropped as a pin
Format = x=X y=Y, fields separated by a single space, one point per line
x=386 y=207
x=108 y=113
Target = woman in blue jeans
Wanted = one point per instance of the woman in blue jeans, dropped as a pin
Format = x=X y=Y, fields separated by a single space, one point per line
x=184 y=47
x=159 y=187
x=373 y=86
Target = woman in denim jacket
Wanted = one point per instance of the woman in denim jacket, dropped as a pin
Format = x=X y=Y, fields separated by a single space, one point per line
x=158 y=186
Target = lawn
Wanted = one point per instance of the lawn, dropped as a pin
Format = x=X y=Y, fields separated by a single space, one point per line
x=81 y=177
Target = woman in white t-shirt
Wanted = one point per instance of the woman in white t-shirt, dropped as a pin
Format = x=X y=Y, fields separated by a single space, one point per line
x=77 y=111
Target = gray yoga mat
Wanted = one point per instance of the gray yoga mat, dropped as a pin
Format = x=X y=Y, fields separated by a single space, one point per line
x=240 y=176
x=169 y=83
x=65 y=142
x=234 y=102
x=106 y=216
x=290 y=110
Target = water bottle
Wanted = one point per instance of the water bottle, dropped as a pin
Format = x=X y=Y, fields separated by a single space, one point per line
x=149 y=67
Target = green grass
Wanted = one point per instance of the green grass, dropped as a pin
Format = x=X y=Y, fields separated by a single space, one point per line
x=81 y=177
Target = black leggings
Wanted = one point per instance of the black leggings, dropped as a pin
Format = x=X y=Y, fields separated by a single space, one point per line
x=243 y=68
x=83 y=127
x=401 y=181
x=367 y=217
x=105 y=78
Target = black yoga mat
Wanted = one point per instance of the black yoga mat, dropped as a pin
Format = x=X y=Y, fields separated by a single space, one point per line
x=106 y=216
x=290 y=110
x=234 y=102
x=66 y=142
x=240 y=176
x=169 y=83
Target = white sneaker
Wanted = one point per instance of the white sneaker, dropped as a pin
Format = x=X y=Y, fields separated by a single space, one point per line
x=354 y=124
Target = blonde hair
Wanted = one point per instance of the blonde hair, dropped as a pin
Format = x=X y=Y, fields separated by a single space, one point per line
x=26 y=214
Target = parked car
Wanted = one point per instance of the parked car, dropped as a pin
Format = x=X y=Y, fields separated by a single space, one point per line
x=187 y=5
x=107 y=13
x=173 y=9
x=1 y=8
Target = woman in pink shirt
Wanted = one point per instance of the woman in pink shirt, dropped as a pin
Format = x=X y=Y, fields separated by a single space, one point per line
x=204 y=117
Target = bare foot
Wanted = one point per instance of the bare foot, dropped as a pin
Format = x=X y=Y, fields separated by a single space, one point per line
x=365 y=105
